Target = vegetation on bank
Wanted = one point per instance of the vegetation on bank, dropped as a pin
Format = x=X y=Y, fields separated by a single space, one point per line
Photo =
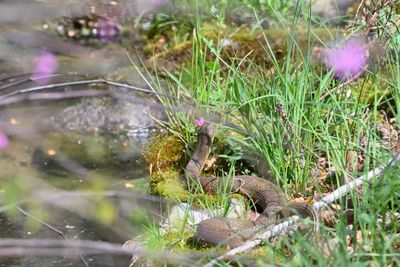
x=315 y=129
x=307 y=102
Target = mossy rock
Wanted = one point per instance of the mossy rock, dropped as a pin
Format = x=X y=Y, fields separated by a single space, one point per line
x=163 y=152
x=238 y=43
x=168 y=184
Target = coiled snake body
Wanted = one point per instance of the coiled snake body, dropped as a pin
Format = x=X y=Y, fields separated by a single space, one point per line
x=264 y=194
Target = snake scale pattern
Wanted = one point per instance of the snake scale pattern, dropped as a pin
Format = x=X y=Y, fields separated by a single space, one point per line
x=265 y=195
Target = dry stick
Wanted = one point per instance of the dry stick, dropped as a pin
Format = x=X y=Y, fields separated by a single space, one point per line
x=17 y=82
x=317 y=206
x=57 y=231
x=5 y=78
x=32 y=79
x=52 y=96
x=83 y=82
x=357 y=14
x=52 y=247
x=345 y=189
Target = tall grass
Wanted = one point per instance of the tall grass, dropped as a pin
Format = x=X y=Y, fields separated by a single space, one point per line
x=293 y=118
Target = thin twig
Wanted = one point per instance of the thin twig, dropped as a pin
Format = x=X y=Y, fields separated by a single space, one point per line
x=20 y=247
x=345 y=189
x=60 y=233
x=52 y=96
x=51 y=247
x=5 y=78
x=317 y=206
x=82 y=82
x=356 y=15
x=32 y=79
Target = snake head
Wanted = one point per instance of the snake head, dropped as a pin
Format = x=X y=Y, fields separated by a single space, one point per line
x=208 y=130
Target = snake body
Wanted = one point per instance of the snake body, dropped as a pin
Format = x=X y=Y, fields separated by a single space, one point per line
x=265 y=195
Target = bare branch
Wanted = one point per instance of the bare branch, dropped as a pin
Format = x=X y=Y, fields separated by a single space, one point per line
x=49 y=247
x=23 y=247
x=52 y=96
x=31 y=79
x=83 y=82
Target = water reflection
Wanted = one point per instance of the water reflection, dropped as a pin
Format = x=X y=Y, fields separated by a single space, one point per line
x=75 y=163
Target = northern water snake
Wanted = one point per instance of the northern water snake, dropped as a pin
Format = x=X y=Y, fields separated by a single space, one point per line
x=265 y=195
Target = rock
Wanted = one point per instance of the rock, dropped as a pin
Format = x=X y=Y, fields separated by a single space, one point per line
x=186 y=214
x=103 y=133
x=331 y=10
x=109 y=116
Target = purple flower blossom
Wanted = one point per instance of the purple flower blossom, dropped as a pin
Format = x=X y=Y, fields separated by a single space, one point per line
x=46 y=64
x=3 y=140
x=108 y=30
x=199 y=122
x=347 y=60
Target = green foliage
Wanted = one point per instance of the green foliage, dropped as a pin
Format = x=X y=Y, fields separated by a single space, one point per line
x=292 y=113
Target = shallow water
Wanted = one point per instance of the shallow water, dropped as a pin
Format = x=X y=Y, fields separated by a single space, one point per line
x=89 y=185
x=37 y=162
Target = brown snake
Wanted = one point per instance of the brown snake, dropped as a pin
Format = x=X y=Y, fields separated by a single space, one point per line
x=264 y=195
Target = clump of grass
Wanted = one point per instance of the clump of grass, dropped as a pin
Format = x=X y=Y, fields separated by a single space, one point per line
x=292 y=116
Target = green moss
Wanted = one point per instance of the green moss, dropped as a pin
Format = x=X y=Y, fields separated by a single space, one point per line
x=162 y=176
x=365 y=90
x=163 y=152
x=164 y=155
x=240 y=43
x=168 y=185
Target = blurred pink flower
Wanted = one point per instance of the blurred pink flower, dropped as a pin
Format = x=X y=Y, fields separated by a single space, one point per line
x=46 y=64
x=347 y=60
x=199 y=122
x=3 y=140
x=108 y=30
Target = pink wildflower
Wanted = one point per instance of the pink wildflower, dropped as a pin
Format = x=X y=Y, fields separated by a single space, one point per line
x=108 y=30
x=46 y=64
x=3 y=140
x=347 y=60
x=199 y=122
